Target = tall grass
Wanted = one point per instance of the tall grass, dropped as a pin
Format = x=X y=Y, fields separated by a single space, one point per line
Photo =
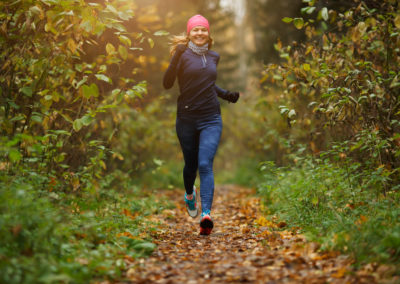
x=48 y=237
x=336 y=206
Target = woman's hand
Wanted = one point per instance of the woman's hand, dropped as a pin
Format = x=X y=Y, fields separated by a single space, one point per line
x=234 y=96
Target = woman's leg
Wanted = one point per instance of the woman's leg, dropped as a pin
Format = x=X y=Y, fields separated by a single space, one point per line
x=210 y=134
x=189 y=140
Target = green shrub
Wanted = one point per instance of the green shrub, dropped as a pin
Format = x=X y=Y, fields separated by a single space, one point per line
x=334 y=206
x=48 y=237
x=246 y=173
x=342 y=83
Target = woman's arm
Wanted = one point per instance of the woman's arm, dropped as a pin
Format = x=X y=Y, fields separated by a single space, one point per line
x=227 y=95
x=170 y=74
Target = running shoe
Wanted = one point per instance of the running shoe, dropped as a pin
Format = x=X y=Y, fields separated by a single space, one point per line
x=206 y=223
x=191 y=205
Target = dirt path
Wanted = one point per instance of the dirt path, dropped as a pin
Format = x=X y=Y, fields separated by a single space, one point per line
x=243 y=247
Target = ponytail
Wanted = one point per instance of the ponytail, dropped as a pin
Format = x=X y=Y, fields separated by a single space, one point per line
x=175 y=41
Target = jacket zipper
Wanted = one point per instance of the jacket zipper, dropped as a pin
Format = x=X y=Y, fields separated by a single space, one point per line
x=204 y=60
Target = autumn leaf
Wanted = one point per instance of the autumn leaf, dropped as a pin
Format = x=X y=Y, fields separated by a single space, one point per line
x=340 y=273
x=262 y=221
x=306 y=67
x=161 y=33
x=242 y=247
x=298 y=23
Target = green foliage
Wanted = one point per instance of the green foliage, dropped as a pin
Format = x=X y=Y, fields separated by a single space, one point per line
x=341 y=84
x=267 y=21
x=337 y=93
x=58 y=78
x=245 y=173
x=49 y=237
x=163 y=174
x=332 y=205
x=79 y=79
x=144 y=135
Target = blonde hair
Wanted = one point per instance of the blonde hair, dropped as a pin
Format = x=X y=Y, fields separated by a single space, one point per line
x=184 y=39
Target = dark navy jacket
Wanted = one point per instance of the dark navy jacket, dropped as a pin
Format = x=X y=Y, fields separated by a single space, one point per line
x=196 y=78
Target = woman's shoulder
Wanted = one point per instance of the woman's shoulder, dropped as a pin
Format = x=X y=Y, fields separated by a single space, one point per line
x=186 y=55
x=213 y=53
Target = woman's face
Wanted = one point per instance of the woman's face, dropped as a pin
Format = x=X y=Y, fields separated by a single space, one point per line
x=199 y=35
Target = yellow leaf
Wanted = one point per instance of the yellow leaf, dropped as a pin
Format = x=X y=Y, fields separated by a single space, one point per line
x=151 y=42
x=71 y=45
x=397 y=21
x=325 y=40
x=306 y=67
x=118 y=156
x=362 y=27
x=340 y=273
x=110 y=48
x=298 y=23
x=279 y=45
x=123 y=52
x=264 y=222
x=103 y=165
x=309 y=49
x=75 y=183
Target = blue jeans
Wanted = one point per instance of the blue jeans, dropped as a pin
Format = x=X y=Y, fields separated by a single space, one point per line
x=199 y=139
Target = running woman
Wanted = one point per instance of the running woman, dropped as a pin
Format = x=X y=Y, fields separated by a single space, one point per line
x=198 y=122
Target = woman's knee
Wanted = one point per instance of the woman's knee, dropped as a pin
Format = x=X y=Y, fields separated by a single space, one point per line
x=190 y=170
x=205 y=166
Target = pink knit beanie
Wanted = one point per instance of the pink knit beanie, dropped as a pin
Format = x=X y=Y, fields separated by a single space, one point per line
x=197 y=20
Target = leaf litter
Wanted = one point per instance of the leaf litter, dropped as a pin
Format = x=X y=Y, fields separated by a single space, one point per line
x=244 y=247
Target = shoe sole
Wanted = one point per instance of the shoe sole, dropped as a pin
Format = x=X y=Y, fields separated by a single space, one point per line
x=205 y=231
x=207 y=223
x=206 y=226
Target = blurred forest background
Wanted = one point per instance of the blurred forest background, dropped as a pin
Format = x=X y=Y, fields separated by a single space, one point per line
x=84 y=120
x=90 y=99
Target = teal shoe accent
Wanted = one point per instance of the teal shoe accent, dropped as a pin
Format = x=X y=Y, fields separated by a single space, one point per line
x=191 y=205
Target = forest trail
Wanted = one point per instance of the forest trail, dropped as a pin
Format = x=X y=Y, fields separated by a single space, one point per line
x=243 y=247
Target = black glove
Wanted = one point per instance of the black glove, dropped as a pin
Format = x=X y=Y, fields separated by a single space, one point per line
x=233 y=97
x=178 y=52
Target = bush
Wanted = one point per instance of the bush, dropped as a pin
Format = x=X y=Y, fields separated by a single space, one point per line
x=332 y=205
x=342 y=83
x=48 y=237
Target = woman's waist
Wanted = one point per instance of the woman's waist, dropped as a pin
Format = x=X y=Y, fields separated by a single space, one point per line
x=197 y=111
